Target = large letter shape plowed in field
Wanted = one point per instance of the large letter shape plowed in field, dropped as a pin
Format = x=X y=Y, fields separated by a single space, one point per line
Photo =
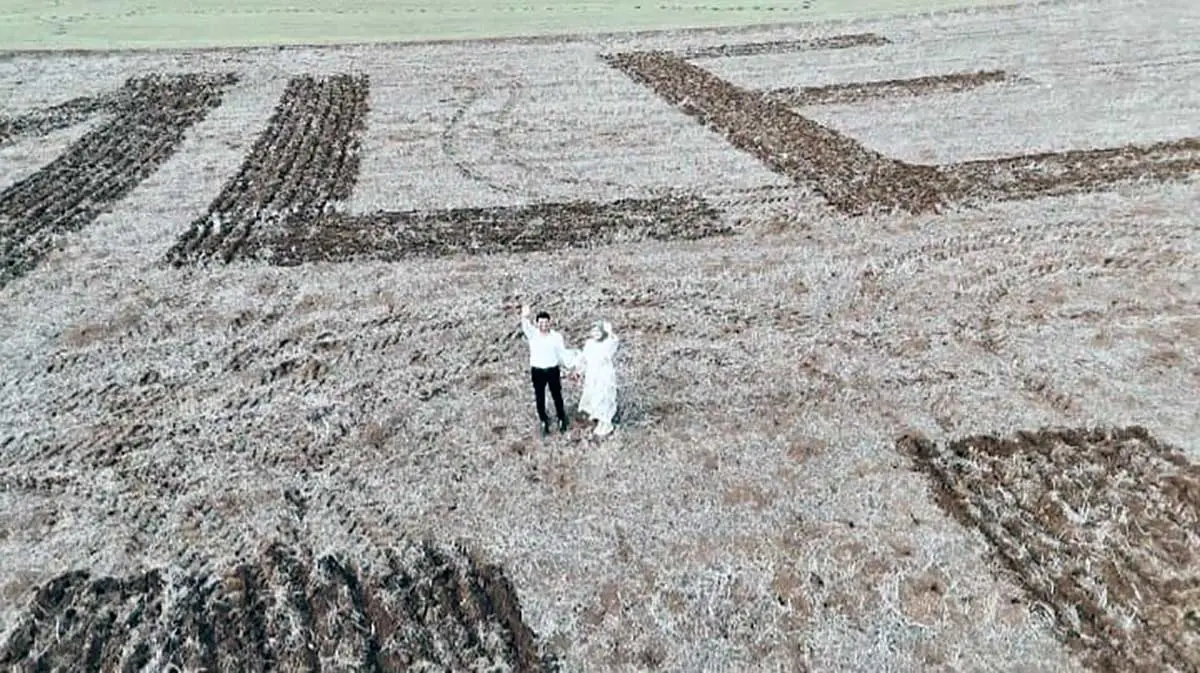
x=151 y=116
x=857 y=180
x=283 y=205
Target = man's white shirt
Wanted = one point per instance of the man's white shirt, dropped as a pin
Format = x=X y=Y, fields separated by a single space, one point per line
x=545 y=350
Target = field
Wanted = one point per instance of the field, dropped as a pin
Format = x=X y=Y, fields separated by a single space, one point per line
x=109 y=24
x=909 y=381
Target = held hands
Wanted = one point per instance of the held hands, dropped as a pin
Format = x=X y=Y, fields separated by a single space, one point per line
x=524 y=310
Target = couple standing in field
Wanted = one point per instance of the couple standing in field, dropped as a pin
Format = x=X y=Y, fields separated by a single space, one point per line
x=548 y=353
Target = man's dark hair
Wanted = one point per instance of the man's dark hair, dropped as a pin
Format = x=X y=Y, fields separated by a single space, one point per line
x=543 y=314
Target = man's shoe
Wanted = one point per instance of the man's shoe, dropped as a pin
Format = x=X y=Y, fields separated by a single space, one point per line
x=545 y=429
x=562 y=425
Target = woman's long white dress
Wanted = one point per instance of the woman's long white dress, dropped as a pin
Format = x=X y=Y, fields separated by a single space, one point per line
x=599 y=397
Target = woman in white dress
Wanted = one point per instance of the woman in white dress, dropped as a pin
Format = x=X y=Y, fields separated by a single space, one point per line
x=599 y=397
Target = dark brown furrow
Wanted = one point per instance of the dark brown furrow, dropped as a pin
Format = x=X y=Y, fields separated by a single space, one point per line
x=1053 y=173
x=41 y=122
x=788 y=46
x=293 y=172
x=857 y=92
x=400 y=235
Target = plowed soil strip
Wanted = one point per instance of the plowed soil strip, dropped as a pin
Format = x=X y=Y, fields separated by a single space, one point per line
x=1052 y=173
x=1101 y=525
x=40 y=122
x=852 y=178
x=893 y=88
x=391 y=236
x=306 y=159
x=102 y=167
x=440 y=608
x=857 y=180
x=788 y=46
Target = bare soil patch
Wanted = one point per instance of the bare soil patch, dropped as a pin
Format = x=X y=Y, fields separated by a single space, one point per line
x=857 y=92
x=1102 y=526
x=41 y=122
x=391 y=236
x=1054 y=173
x=152 y=115
x=426 y=606
x=858 y=180
x=787 y=46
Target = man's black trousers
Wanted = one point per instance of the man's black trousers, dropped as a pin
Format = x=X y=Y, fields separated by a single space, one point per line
x=552 y=378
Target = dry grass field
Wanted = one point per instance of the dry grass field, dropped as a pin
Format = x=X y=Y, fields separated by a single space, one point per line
x=911 y=322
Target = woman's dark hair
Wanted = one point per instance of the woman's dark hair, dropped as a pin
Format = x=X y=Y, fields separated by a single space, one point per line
x=543 y=314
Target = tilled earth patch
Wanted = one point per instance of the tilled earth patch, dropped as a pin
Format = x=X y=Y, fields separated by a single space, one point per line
x=853 y=178
x=426 y=607
x=391 y=236
x=1101 y=525
x=47 y=120
x=306 y=158
x=787 y=46
x=857 y=92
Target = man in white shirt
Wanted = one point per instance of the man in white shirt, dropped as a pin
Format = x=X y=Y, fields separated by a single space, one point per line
x=546 y=353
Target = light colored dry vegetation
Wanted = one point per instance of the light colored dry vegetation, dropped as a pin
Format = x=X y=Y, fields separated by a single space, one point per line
x=754 y=513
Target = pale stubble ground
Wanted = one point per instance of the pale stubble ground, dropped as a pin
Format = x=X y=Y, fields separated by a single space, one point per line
x=754 y=514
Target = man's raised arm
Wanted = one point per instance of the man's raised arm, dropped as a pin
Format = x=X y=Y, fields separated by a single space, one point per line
x=526 y=326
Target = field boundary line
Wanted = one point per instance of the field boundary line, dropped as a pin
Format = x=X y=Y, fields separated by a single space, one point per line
x=556 y=38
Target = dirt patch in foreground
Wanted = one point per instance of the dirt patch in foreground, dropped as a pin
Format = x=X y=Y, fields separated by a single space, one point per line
x=426 y=608
x=1102 y=526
